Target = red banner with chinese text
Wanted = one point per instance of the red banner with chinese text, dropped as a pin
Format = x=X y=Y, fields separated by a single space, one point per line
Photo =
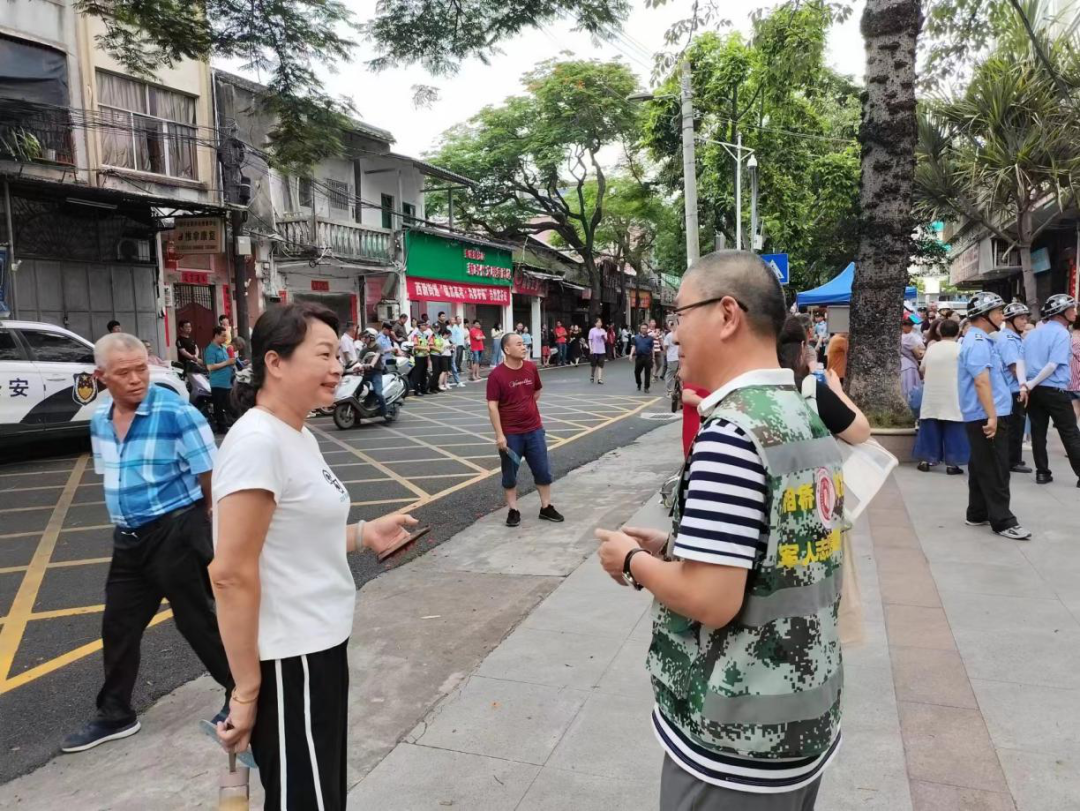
x=430 y=290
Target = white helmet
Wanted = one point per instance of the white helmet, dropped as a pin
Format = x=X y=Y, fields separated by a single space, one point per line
x=1015 y=308
x=370 y=334
x=984 y=302
x=1057 y=304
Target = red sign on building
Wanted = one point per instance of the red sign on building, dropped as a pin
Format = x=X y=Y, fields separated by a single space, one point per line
x=430 y=290
x=194 y=277
x=320 y=285
x=529 y=286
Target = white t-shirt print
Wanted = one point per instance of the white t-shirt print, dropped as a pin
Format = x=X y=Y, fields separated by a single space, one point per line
x=308 y=593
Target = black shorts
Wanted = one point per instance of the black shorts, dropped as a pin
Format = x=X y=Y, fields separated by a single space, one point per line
x=597 y=359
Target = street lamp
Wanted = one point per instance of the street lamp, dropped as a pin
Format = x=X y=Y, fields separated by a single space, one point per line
x=738 y=152
x=755 y=239
x=693 y=251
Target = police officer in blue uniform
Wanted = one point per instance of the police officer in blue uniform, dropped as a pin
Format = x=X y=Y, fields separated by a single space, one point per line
x=1010 y=342
x=1047 y=353
x=985 y=402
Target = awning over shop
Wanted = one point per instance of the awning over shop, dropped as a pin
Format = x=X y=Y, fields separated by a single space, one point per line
x=837 y=290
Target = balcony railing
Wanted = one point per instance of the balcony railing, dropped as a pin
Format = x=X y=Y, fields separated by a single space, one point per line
x=344 y=240
x=30 y=133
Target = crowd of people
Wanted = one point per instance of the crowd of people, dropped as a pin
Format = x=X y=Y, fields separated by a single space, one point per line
x=982 y=384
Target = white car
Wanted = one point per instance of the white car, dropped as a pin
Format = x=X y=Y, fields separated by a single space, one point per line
x=47 y=383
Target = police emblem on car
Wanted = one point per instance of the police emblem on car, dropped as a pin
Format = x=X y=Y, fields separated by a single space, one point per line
x=85 y=389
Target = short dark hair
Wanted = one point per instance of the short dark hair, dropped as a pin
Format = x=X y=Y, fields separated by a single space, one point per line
x=114 y=324
x=219 y=330
x=185 y=321
x=791 y=348
x=745 y=277
x=442 y=312
x=506 y=339
x=222 y=317
x=279 y=329
x=477 y=321
x=947 y=328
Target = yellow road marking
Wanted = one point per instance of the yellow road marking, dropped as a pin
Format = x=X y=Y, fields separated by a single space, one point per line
x=23 y=604
x=374 y=463
x=447 y=454
x=26 y=509
x=62 y=564
x=60 y=661
x=365 y=481
x=382 y=501
x=78 y=653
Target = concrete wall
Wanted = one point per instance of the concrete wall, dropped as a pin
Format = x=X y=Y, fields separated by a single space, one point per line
x=381 y=176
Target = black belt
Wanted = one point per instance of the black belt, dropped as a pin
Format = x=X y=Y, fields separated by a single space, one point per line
x=141 y=530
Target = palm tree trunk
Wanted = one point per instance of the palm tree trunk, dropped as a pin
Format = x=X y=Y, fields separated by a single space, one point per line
x=1031 y=297
x=887 y=135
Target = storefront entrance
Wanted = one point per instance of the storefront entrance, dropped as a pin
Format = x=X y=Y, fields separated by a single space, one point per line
x=195 y=303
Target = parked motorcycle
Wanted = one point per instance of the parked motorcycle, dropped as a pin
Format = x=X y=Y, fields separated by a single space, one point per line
x=355 y=398
x=197 y=380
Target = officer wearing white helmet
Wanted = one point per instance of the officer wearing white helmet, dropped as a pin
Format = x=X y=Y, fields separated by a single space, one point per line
x=1010 y=342
x=985 y=402
x=1047 y=352
x=372 y=356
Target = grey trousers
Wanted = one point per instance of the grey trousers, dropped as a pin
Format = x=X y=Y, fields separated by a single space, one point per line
x=681 y=791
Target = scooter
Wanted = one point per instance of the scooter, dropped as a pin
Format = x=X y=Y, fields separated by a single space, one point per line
x=355 y=400
x=198 y=386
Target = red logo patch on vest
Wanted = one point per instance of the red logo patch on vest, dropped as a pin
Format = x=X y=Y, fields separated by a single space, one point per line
x=825 y=490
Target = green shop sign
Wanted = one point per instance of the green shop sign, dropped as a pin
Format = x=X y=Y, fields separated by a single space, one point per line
x=435 y=257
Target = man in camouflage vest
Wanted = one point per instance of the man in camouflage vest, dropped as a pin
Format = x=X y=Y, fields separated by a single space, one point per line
x=745 y=655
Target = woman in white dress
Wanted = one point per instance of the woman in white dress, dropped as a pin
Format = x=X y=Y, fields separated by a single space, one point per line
x=942 y=436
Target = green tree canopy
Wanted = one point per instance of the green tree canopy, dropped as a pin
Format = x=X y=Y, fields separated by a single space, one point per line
x=1008 y=144
x=535 y=157
x=798 y=115
x=292 y=39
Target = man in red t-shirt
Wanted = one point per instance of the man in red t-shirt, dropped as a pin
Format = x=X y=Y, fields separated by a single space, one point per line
x=560 y=342
x=476 y=349
x=513 y=388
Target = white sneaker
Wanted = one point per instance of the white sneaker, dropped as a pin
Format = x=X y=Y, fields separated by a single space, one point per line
x=1017 y=533
x=461 y=385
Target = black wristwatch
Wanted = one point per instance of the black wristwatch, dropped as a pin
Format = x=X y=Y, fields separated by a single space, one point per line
x=626 y=573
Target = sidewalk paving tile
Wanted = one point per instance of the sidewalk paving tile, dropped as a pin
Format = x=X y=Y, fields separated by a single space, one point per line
x=899 y=559
x=419 y=778
x=931 y=677
x=589 y=612
x=557 y=790
x=868 y=774
x=626 y=675
x=1041 y=782
x=940 y=797
x=869 y=702
x=986 y=578
x=900 y=536
x=915 y=587
x=970 y=545
x=505 y=719
x=918 y=627
x=611 y=737
x=1032 y=656
x=551 y=657
x=1030 y=717
x=949 y=745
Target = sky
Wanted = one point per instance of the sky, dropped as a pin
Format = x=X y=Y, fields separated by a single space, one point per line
x=386 y=99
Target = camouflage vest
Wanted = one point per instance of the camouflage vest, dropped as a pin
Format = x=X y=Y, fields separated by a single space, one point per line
x=768 y=683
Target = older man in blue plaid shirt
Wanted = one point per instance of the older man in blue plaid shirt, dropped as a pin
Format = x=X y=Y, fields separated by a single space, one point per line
x=156 y=453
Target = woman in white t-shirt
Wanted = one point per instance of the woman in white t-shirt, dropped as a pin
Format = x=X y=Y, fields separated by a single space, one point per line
x=285 y=594
x=942 y=436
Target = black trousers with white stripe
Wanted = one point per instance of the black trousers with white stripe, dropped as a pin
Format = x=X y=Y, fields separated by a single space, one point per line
x=299 y=739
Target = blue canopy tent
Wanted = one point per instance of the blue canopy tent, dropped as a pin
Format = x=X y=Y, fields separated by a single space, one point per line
x=837 y=290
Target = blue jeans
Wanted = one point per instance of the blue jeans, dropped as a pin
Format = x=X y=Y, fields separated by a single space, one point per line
x=376 y=389
x=454 y=365
x=562 y=353
x=531 y=447
x=496 y=354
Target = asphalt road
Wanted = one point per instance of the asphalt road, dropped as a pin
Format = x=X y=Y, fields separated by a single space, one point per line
x=438 y=460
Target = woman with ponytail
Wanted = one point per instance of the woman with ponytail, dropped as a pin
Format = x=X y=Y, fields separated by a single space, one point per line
x=285 y=593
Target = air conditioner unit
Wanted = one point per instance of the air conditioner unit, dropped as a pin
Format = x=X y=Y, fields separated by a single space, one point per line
x=133 y=250
x=385 y=312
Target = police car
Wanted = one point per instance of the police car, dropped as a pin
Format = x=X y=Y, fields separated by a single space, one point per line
x=47 y=383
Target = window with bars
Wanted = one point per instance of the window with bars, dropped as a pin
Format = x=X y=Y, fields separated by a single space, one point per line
x=409 y=210
x=146 y=128
x=386 y=202
x=338 y=194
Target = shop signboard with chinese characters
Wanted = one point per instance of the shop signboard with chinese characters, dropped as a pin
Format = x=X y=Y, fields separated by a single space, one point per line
x=640 y=299
x=194 y=235
x=435 y=290
x=446 y=259
x=526 y=285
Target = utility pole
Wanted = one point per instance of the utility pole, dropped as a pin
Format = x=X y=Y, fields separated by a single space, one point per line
x=693 y=252
x=238 y=193
x=751 y=164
